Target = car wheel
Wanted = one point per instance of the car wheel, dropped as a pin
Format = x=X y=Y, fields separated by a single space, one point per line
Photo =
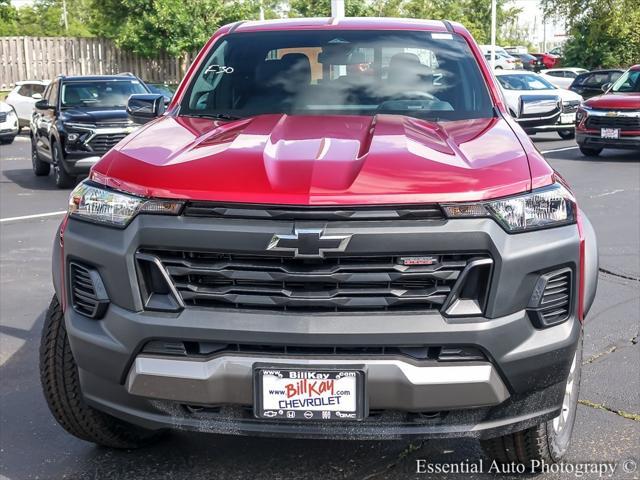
x=61 y=387
x=549 y=441
x=62 y=178
x=40 y=168
x=7 y=141
x=590 y=152
x=567 y=134
x=498 y=68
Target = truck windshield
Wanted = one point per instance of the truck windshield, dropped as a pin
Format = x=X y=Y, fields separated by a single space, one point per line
x=99 y=93
x=524 y=81
x=628 y=82
x=338 y=72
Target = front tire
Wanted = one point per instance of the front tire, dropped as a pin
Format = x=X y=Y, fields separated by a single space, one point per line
x=61 y=387
x=40 y=168
x=547 y=442
x=61 y=176
x=590 y=152
x=567 y=134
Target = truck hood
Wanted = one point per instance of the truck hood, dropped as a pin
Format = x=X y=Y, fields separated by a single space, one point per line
x=319 y=160
x=95 y=115
x=618 y=101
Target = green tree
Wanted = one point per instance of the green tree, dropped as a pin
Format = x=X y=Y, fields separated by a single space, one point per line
x=603 y=33
x=44 y=18
x=151 y=26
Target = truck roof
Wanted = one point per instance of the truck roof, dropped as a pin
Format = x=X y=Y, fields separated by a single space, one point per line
x=344 y=23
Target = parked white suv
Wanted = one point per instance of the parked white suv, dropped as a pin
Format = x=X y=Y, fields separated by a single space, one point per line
x=562 y=77
x=8 y=123
x=23 y=98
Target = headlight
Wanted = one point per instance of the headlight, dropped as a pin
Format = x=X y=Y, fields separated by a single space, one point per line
x=546 y=207
x=11 y=117
x=95 y=203
x=581 y=113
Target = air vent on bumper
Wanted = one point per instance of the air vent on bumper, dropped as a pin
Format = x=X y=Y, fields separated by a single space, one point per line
x=551 y=301
x=88 y=295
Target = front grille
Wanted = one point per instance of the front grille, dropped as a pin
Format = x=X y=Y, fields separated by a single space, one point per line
x=330 y=284
x=624 y=123
x=88 y=295
x=3 y=117
x=551 y=300
x=570 y=106
x=104 y=142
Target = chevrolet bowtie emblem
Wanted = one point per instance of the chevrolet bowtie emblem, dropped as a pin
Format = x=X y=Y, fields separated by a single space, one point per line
x=309 y=243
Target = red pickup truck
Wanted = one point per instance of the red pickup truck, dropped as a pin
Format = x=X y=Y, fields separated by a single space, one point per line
x=611 y=120
x=335 y=230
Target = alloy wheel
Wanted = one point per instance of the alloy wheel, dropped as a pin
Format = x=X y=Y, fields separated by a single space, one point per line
x=568 y=402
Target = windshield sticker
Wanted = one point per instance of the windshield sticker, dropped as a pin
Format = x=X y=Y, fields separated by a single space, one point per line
x=218 y=69
x=441 y=36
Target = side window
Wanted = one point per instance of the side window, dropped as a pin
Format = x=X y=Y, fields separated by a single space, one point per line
x=593 y=80
x=556 y=74
x=37 y=88
x=568 y=74
x=25 y=90
x=52 y=93
x=613 y=76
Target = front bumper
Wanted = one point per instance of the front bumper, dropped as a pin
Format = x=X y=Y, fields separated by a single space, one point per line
x=519 y=384
x=7 y=131
x=594 y=140
x=566 y=121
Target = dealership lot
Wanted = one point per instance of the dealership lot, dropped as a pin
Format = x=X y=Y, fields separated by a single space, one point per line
x=34 y=446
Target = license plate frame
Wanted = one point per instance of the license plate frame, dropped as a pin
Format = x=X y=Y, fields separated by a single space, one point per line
x=567 y=118
x=610 y=133
x=310 y=413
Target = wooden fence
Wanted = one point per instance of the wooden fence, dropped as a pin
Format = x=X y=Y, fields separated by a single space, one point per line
x=29 y=58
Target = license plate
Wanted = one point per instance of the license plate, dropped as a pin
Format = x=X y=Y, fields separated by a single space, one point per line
x=303 y=394
x=567 y=118
x=610 y=132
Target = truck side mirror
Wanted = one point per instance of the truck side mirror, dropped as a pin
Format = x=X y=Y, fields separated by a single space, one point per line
x=144 y=107
x=43 y=105
x=538 y=110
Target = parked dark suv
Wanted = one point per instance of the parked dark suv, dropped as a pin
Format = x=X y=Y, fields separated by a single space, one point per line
x=78 y=120
x=591 y=84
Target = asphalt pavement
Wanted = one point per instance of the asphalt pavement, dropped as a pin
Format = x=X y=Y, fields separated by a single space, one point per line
x=33 y=446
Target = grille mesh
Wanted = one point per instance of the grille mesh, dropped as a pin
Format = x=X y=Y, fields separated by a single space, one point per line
x=624 y=123
x=556 y=299
x=330 y=284
x=104 y=142
x=87 y=297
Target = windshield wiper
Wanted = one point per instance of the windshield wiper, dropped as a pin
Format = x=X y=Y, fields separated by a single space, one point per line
x=215 y=116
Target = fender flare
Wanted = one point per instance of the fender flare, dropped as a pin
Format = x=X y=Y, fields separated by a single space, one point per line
x=591 y=263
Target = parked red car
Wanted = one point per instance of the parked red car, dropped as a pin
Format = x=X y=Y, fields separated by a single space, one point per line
x=611 y=120
x=336 y=230
x=547 y=59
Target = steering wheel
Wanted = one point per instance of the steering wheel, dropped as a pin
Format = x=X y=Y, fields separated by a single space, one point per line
x=417 y=94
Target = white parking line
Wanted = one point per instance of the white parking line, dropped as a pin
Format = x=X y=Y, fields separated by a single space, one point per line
x=28 y=217
x=559 y=149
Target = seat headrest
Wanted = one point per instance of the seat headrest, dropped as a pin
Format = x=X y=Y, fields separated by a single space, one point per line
x=291 y=72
